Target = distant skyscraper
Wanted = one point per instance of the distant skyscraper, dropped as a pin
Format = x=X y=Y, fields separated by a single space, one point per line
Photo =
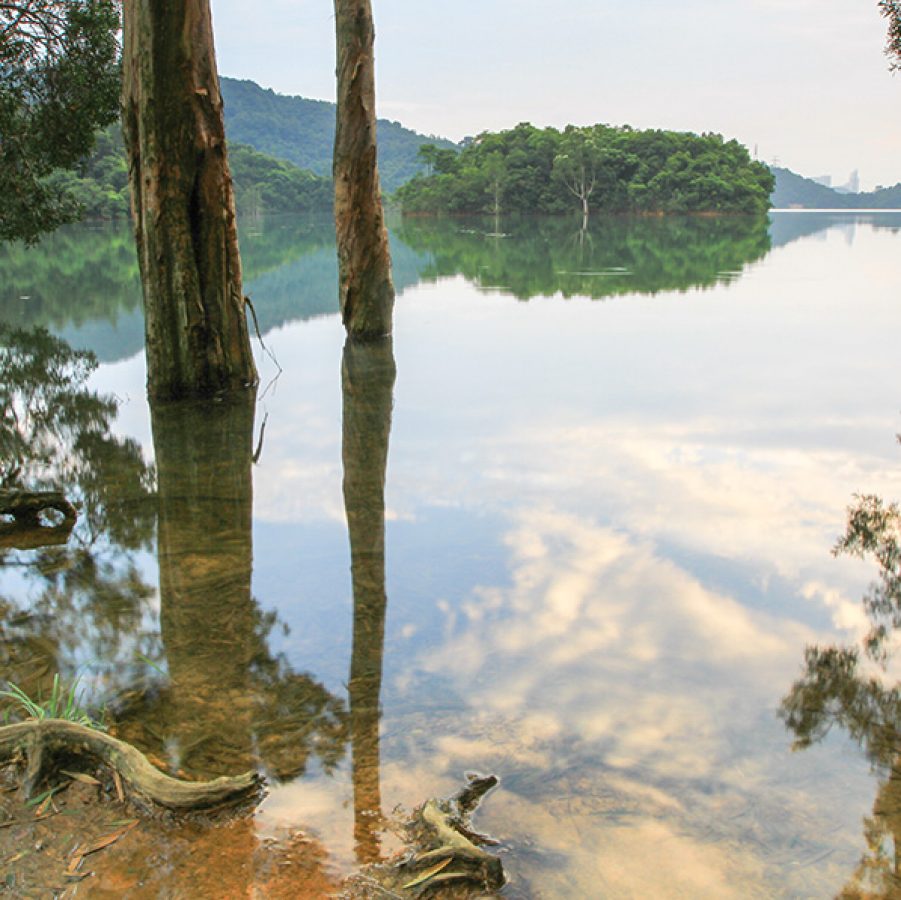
x=852 y=185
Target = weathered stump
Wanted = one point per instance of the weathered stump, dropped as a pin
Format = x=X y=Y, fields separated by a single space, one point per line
x=448 y=859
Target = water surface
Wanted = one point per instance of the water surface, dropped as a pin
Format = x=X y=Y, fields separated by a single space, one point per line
x=615 y=464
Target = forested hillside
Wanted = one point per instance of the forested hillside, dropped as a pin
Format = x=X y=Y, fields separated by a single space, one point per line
x=598 y=168
x=262 y=184
x=303 y=132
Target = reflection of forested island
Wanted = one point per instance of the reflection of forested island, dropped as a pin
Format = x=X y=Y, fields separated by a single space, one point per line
x=615 y=255
x=82 y=282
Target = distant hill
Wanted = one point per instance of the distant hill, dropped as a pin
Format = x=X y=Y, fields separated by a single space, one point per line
x=796 y=191
x=303 y=132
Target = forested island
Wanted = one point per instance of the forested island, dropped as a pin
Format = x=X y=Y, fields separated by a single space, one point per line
x=598 y=168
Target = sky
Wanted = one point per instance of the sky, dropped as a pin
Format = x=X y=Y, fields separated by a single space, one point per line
x=805 y=82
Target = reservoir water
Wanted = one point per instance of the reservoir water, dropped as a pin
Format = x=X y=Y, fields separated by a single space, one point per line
x=615 y=465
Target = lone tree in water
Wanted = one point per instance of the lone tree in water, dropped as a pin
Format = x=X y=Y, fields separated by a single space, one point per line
x=183 y=202
x=364 y=263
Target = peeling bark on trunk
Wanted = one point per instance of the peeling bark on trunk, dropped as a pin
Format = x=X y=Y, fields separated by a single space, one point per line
x=182 y=202
x=368 y=374
x=364 y=262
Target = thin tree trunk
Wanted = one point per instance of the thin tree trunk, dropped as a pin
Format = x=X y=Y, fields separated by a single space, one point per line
x=364 y=262
x=182 y=202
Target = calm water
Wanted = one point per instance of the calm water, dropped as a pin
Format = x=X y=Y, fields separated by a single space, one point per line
x=616 y=465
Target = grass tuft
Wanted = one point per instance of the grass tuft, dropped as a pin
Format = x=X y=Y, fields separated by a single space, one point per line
x=63 y=703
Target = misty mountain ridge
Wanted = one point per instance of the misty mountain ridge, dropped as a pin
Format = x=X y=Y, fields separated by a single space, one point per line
x=794 y=191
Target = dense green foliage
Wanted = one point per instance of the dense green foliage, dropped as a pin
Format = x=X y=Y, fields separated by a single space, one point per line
x=615 y=256
x=267 y=185
x=528 y=169
x=99 y=184
x=793 y=190
x=60 y=83
x=262 y=184
x=303 y=132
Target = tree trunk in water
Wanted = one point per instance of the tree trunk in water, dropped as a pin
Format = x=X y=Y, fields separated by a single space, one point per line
x=364 y=262
x=182 y=202
x=368 y=374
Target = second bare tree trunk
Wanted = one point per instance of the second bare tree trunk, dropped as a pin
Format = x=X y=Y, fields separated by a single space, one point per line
x=364 y=262
x=183 y=201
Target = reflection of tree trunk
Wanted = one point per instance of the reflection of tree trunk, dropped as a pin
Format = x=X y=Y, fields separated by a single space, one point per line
x=887 y=812
x=368 y=373
x=207 y=616
x=364 y=263
x=183 y=201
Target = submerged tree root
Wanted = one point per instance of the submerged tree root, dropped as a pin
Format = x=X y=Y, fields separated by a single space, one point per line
x=41 y=741
x=448 y=862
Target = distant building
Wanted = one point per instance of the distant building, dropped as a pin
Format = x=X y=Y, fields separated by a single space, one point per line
x=852 y=185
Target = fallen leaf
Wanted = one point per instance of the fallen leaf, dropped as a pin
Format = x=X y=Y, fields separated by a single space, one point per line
x=106 y=840
x=429 y=873
x=81 y=776
x=117 y=781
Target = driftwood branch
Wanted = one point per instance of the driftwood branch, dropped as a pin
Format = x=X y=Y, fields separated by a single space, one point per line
x=40 y=741
x=448 y=854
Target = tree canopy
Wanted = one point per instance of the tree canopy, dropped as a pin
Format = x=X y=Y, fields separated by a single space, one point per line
x=615 y=169
x=59 y=60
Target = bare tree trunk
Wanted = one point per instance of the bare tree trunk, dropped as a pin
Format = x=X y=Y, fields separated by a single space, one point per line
x=364 y=261
x=182 y=202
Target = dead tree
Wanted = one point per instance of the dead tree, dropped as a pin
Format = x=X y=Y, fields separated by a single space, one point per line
x=365 y=290
x=183 y=202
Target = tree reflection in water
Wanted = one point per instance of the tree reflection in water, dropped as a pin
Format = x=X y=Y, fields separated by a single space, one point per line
x=614 y=255
x=848 y=688
x=368 y=374
x=228 y=703
x=84 y=597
